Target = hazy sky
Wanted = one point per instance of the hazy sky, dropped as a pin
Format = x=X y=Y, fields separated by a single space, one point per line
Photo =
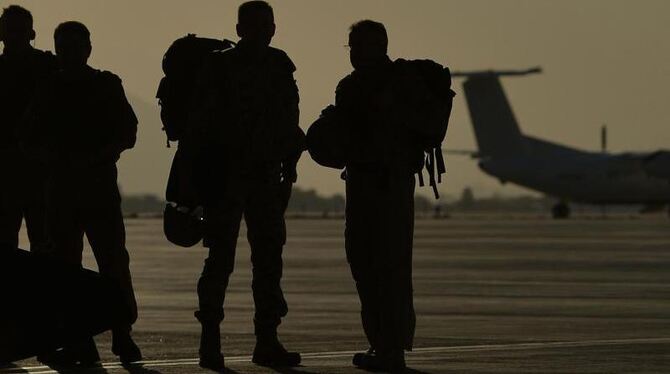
x=604 y=62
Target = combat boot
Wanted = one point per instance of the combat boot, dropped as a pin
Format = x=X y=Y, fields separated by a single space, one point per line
x=86 y=353
x=392 y=361
x=80 y=354
x=360 y=359
x=270 y=352
x=210 y=344
x=124 y=347
x=61 y=358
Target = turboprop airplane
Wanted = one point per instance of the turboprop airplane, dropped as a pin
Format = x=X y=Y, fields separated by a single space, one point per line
x=568 y=174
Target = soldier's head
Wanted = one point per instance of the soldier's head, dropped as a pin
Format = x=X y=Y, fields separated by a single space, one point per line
x=16 y=27
x=73 y=45
x=256 y=23
x=368 y=44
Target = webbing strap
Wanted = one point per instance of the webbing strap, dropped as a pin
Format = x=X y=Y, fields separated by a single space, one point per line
x=441 y=168
x=430 y=165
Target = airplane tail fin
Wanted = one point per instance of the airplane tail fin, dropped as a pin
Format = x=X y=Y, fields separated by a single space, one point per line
x=496 y=129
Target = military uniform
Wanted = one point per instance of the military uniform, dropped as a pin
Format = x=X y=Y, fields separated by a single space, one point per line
x=79 y=126
x=23 y=183
x=247 y=119
x=381 y=160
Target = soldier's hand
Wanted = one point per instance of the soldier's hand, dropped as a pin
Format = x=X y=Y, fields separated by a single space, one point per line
x=289 y=174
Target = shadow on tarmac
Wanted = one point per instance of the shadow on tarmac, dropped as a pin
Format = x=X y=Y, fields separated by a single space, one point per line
x=296 y=370
x=140 y=369
x=406 y=371
x=132 y=369
x=414 y=371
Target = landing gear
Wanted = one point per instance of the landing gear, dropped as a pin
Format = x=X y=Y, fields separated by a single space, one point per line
x=560 y=211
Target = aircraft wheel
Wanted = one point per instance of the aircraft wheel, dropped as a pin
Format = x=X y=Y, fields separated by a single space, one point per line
x=561 y=211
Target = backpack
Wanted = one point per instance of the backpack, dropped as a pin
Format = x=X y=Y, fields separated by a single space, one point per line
x=182 y=63
x=424 y=89
x=432 y=115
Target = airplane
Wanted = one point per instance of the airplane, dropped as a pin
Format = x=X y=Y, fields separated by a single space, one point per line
x=568 y=174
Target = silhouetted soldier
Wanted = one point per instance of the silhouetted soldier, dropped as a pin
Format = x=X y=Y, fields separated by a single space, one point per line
x=79 y=124
x=247 y=115
x=22 y=188
x=381 y=159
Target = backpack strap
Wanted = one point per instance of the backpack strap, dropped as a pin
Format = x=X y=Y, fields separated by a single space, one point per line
x=435 y=167
x=439 y=159
x=430 y=167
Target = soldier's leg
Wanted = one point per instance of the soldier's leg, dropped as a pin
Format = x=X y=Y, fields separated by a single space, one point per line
x=34 y=209
x=397 y=319
x=222 y=224
x=63 y=224
x=364 y=272
x=105 y=230
x=361 y=232
x=222 y=229
x=266 y=232
x=10 y=219
x=66 y=234
x=10 y=206
x=103 y=223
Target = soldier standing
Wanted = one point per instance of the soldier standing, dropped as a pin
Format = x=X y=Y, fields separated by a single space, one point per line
x=23 y=184
x=247 y=117
x=79 y=124
x=381 y=112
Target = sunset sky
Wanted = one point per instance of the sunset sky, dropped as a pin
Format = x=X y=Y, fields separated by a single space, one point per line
x=604 y=62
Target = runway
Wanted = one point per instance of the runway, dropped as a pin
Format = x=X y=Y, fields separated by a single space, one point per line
x=493 y=295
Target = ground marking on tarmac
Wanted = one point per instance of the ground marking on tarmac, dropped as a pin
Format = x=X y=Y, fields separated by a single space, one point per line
x=337 y=354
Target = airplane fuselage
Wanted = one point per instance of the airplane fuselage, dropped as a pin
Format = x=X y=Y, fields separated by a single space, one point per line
x=580 y=176
x=556 y=170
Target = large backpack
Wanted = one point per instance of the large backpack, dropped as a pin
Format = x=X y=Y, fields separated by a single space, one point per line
x=182 y=63
x=424 y=89
x=431 y=116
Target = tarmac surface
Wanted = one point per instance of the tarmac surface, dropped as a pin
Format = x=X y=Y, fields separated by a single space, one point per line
x=493 y=295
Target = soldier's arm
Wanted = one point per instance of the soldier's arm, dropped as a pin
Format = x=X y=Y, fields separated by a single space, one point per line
x=126 y=120
x=344 y=112
x=344 y=95
x=122 y=119
x=289 y=115
x=291 y=101
x=32 y=131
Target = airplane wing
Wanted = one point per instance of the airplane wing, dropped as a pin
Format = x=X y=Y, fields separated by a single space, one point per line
x=498 y=73
x=461 y=152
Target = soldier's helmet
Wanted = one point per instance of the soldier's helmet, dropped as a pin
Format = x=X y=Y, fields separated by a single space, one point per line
x=182 y=226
